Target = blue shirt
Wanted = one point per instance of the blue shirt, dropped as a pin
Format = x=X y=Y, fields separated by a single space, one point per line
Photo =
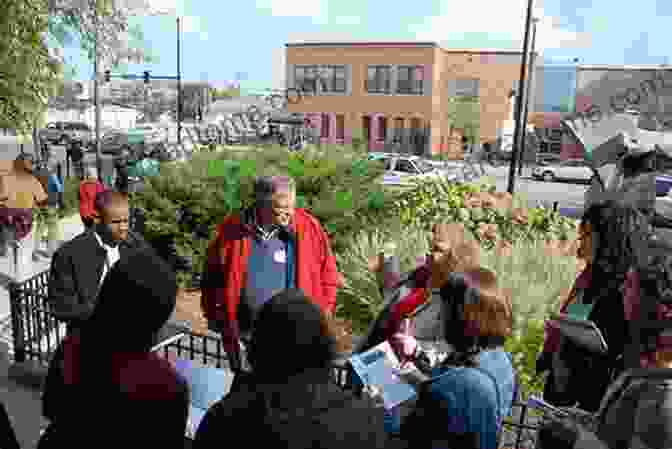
x=472 y=401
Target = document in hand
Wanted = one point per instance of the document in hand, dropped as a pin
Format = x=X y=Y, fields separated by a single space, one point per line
x=582 y=332
x=378 y=368
x=207 y=386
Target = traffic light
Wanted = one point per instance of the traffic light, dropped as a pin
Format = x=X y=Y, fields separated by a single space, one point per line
x=146 y=77
x=200 y=114
x=107 y=76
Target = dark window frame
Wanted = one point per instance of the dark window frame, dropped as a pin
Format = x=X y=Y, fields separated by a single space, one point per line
x=336 y=75
x=414 y=86
x=387 y=82
x=340 y=130
x=325 y=126
x=476 y=81
x=307 y=77
x=398 y=130
x=382 y=129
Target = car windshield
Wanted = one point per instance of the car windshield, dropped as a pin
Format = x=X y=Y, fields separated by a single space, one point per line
x=424 y=166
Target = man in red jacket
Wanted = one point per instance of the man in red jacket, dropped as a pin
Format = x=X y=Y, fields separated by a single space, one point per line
x=260 y=252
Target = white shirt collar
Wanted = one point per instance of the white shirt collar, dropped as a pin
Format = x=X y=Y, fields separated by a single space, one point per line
x=112 y=256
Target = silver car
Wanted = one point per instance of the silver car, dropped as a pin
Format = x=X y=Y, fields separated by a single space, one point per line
x=577 y=170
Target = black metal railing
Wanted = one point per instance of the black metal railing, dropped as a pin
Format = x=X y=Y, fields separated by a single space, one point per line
x=36 y=335
x=35 y=332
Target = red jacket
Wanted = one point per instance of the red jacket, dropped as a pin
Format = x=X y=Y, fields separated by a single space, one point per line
x=87 y=197
x=316 y=272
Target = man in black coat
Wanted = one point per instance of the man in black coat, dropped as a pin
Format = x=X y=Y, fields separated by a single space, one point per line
x=80 y=265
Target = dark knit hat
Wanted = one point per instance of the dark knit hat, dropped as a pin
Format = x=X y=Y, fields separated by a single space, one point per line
x=290 y=337
x=136 y=300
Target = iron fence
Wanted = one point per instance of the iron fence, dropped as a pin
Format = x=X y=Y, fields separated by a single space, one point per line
x=36 y=335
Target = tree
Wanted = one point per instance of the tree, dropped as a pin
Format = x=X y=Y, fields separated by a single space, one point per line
x=464 y=113
x=29 y=72
x=222 y=94
x=81 y=21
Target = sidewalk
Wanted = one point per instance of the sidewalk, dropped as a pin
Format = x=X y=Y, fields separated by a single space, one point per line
x=72 y=227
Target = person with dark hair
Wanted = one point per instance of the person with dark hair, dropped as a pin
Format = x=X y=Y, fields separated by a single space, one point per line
x=88 y=189
x=109 y=388
x=258 y=252
x=292 y=400
x=80 y=265
x=636 y=410
x=615 y=232
x=471 y=391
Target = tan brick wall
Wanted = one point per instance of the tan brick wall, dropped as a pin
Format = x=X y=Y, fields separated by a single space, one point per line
x=496 y=73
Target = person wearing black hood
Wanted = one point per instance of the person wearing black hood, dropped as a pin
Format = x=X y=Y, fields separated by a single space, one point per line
x=109 y=387
x=292 y=401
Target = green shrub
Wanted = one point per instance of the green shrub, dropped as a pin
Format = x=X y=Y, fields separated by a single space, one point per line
x=330 y=184
x=438 y=199
x=535 y=281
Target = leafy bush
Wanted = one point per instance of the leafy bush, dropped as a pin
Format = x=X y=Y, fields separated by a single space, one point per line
x=489 y=215
x=535 y=281
x=331 y=184
x=70 y=197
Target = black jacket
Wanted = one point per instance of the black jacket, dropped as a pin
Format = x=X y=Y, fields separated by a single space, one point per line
x=74 y=279
x=331 y=419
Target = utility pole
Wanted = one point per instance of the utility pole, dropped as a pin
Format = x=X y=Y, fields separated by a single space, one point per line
x=179 y=89
x=519 y=101
x=528 y=93
x=96 y=91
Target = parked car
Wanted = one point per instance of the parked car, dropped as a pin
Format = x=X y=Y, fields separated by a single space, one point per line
x=63 y=133
x=401 y=170
x=569 y=170
x=119 y=143
x=548 y=159
x=663 y=185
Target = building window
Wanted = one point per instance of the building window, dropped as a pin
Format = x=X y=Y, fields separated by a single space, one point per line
x=333 y=79
x=382 y=129
x=305 y=78
x=409 y=80
x=340 y=127
x=398 y=130
x=465 y=88
x=378 y=79
x=325 y=126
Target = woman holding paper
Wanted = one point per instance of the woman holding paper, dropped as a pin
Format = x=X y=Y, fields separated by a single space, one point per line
x=469 y=393
x=611 y=233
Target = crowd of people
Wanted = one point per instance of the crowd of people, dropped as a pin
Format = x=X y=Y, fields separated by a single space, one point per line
x=269 y=290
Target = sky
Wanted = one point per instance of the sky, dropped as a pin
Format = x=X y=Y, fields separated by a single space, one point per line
x=224 y=41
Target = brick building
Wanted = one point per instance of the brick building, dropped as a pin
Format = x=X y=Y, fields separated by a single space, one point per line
x=403 y=93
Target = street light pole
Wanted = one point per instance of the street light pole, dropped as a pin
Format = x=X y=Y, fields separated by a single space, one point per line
x=519 y=100
x=96 y=90
x=528 y=91
x=179 y=89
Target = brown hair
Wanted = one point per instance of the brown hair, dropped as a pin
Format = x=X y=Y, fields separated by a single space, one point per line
x=492 y=316
x=464 y=252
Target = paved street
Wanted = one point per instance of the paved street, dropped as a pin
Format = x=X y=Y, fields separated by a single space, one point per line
x=569 y=196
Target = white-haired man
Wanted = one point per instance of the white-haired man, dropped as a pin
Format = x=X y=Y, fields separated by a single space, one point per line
x=260 y=251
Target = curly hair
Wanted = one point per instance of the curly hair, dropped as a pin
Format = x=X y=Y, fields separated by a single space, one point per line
x=620 y=231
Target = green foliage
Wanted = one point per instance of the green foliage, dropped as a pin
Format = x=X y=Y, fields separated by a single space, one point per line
x=28 y=74
x=214 y=185
x=429 y=201
x=70 y=197
x=535 y=282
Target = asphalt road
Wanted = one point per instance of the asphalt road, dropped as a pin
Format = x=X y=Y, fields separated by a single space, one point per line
x=569 y=196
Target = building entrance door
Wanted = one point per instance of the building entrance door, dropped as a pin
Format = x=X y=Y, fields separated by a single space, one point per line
x=366 y=131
